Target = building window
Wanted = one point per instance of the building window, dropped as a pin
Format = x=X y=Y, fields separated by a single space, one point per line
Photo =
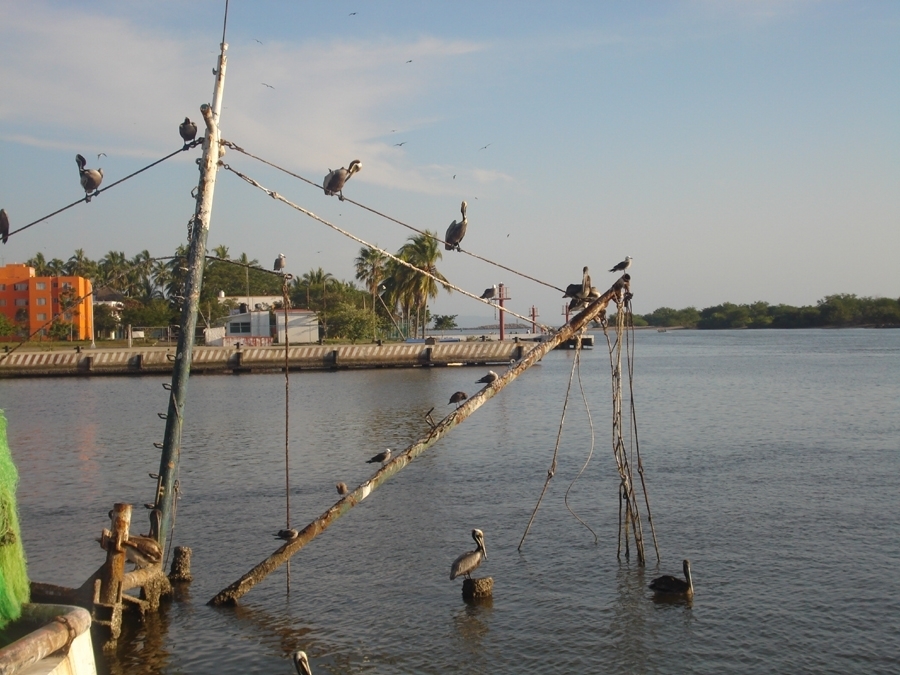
x=41 y=301
x=40 y=285
x=66 y=284
x=20 y=287
x=41 y=317
x=21 y=302
x=239 y=327
x=2 y=302
x=2 y=287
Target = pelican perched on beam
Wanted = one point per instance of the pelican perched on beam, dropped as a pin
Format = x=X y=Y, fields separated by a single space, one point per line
x=469 y=562
x=622 y=266
x=142 y=551
x=669 y=585
x=288 y=535
x=456 y=231
x=334 y=181
x=579 y=302
x=90 y=178
x=301 y=663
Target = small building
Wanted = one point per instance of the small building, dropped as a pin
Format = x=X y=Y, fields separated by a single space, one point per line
x=262 y=328
x=33 y=302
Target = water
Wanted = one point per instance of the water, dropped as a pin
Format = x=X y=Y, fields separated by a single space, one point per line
x=773 y=462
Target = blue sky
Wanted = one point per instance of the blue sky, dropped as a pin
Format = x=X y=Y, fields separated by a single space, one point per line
x=738 y=151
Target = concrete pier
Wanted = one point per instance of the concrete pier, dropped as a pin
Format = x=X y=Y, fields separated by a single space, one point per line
x=156 y=360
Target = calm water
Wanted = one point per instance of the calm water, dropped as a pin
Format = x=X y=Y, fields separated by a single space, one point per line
x=773 y=461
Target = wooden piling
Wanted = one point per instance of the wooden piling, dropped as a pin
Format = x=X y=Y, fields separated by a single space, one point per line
x=233 y=592
x=475 y=589
x=107 y=611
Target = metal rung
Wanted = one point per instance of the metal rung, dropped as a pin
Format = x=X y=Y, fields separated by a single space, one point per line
x=158 y=446
x=167 y=386
x=154 y=476
x=163 y=416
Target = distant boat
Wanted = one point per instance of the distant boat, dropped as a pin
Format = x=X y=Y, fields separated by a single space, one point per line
x=660 y=330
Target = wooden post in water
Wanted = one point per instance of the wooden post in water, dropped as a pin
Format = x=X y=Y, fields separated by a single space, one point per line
x=231 y=594
x=171 y=451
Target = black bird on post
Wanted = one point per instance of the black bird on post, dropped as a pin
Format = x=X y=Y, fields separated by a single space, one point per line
x=334 y=181
x=458 y=398
x=188 y=131
x=4 y=225
x=468 y=562
x=622 y=266
x=90 y=178
x=457 y=230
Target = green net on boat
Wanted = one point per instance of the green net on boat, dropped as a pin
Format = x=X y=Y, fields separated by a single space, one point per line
x=14 y=586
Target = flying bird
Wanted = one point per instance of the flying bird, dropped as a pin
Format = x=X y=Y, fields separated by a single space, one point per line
x=298 y=658
x=410 y=61
x=352 y=14
x=187 y=130
x=454 y=176
x=90 y=178
x=457 y=230
x=287 y=535
x=468 y=562
x=669 y=585
x=381 y=457
x=491 y=293
x=334 y=181
x=142 y=551
x=342 y=489
x=622 y=266
x=267 y=85
x=485 y=147
x=458 y=398
x=101 y=154
x=487 y=379
x=399 y=145
x=257 y=40
x=279 y=263
x=4 y=225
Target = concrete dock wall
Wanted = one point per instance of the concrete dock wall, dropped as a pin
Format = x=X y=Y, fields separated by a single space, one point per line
x=148 y=360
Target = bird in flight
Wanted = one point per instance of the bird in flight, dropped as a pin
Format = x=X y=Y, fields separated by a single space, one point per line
x=102 y=154
x=352 y=14
x=399 y=145
x=486 y=146
x=267 y=85
x=257 y=41
x=410 y=61
x=454 y=176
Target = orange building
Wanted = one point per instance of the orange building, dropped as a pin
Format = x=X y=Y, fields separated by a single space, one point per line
x=33 y=302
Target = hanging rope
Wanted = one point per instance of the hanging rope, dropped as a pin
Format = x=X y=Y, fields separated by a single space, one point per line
x=186 y=146
x=334 y=227
x=591 y=452
x=236 y=147
x=287 y=416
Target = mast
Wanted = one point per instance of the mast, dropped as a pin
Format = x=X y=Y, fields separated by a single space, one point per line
x=171 y=450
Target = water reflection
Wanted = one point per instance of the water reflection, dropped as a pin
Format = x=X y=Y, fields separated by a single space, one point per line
x=471 y=624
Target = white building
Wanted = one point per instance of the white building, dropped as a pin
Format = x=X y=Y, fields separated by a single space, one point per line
x=255 y=329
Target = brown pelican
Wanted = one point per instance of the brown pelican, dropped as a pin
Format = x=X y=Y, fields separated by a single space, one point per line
x=622 y=266
x=581 y=290
x=142 y=551
x=334 y=181
x=487 y=379
x=458 y=398
x=188 y=130
x=287 y=535
x=301 y=663
x=380 y=457
x=669 y=585
x=279 y=263
x=4 y=225
x=579 y=302
x=456 y=231
x=490 y=293
x=468 y=562
x=342 y=489
x=90 y=178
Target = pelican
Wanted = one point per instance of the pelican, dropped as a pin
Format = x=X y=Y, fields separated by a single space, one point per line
x=669 y=585
x=301 y=663
x=279 y=263
x=622 y=266
x=468 y=562
x=342 y=489
x=188 y=130
x=4 y=225
x=287 y=535
x=456 y=231
x=490 y=293
x=334 y=181
x=90 y=178
x=487 y=379
x=142 y=551
x=579 y=302
x=380 y=457
x=458 y=398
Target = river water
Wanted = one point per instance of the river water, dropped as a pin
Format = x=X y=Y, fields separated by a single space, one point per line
x=772 y=460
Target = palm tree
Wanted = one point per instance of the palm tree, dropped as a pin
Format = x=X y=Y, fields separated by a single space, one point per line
x=79 y=265
x=39 y=263
x=413 y=288
x=113 y=269
x=370 y=269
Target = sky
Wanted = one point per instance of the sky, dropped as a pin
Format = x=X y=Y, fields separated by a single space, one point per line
x=739 y=150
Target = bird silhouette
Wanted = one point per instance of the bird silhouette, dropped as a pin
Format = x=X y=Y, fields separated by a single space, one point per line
x=622 y=266
x=187 y=130
x=457 y=230
x=4 y=226
x=267 y=85
x=90 y=178
x=335 y=180
x=458 y=398
x=485 y=147
x=400 y=145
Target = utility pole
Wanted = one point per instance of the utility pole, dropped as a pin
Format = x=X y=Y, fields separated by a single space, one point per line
x=171 y=450
x=501 y=298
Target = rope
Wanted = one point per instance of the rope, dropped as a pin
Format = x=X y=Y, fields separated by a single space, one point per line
x=552 y=470
x=233 y=146
x=97 y=192
x=443 y=282
x=287 y=409
x=591 y=453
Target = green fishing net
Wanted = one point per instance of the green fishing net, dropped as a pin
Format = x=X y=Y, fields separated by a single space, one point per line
x=14 y=587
